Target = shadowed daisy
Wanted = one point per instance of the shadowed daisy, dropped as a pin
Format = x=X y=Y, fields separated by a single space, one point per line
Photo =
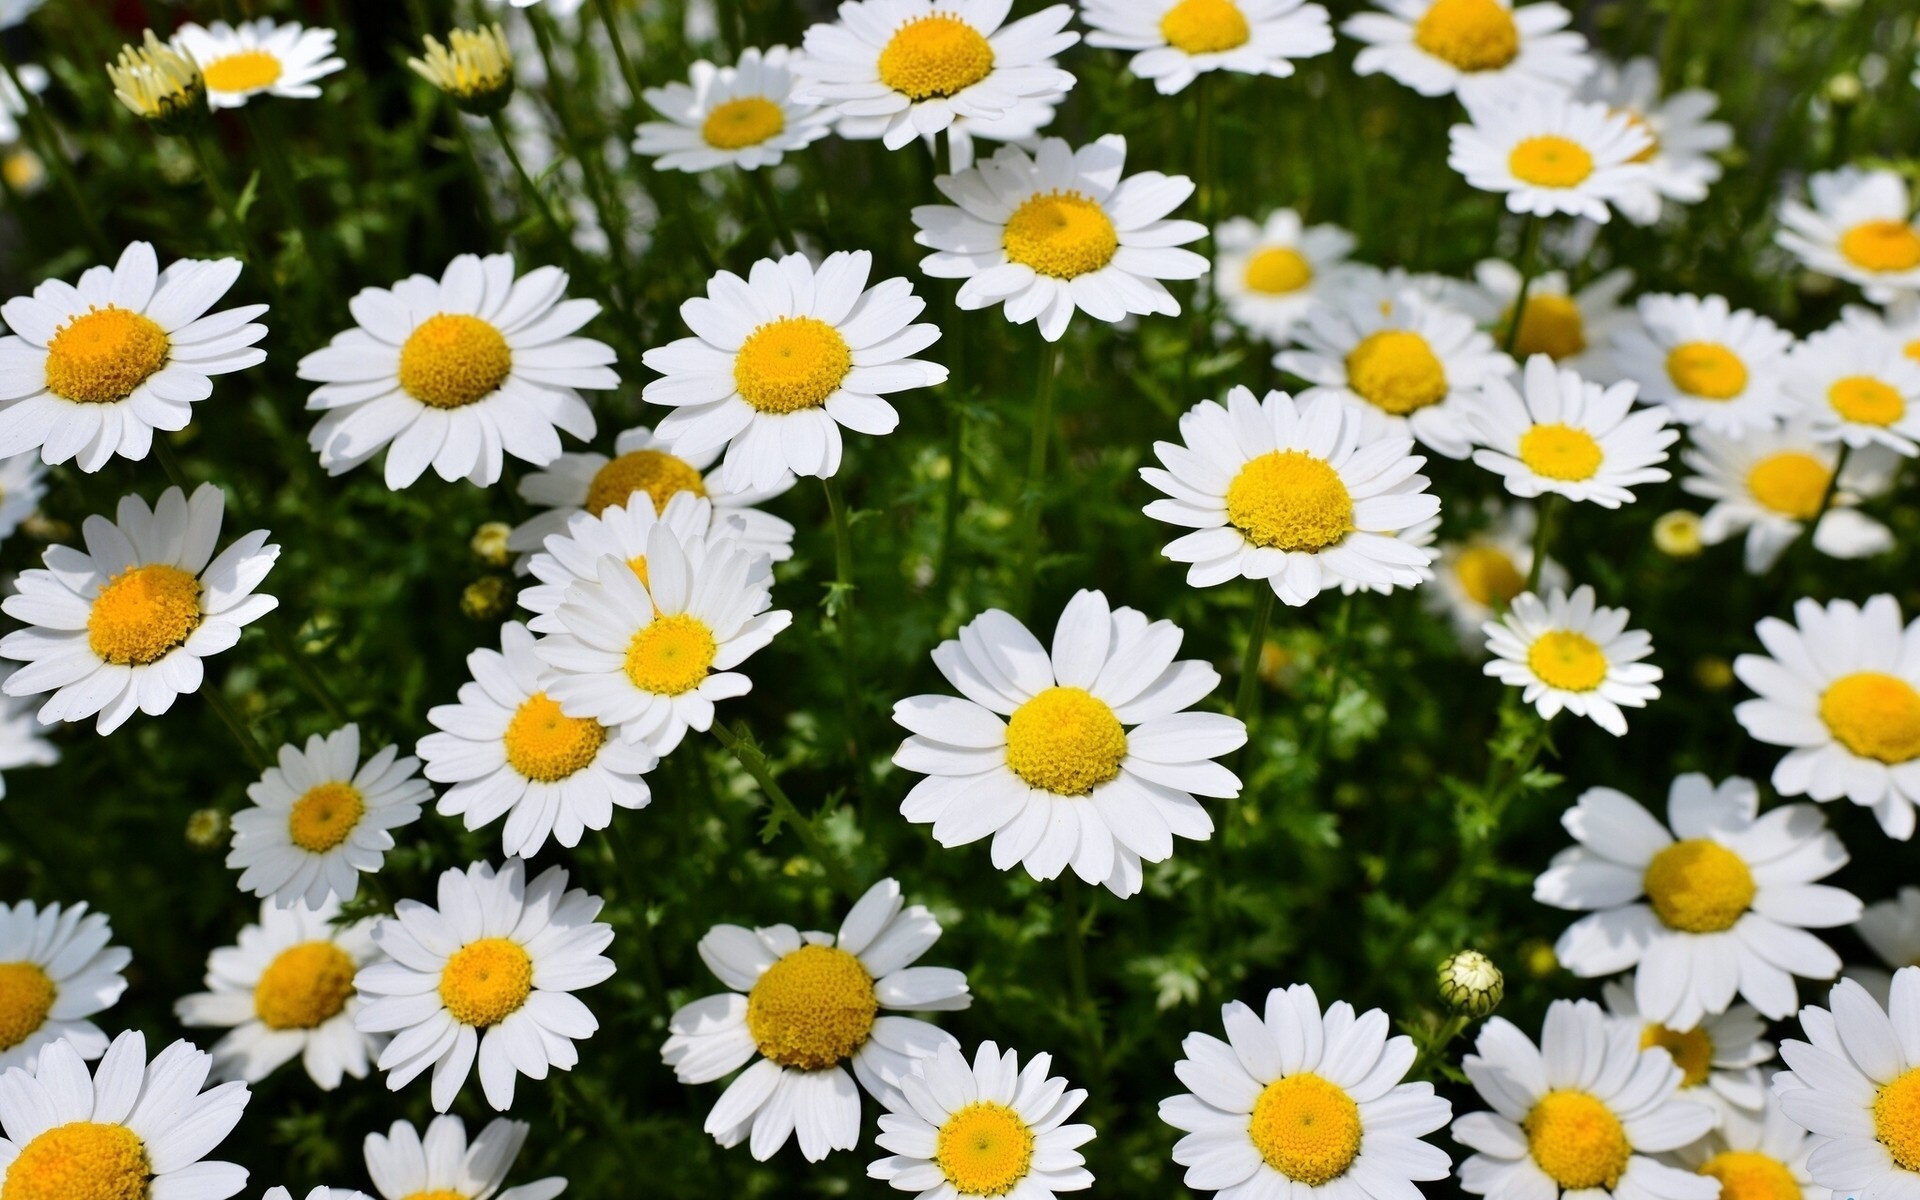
x=1719 y=1057
x=56 y=971
x=1570 y=326
x=1680 y=163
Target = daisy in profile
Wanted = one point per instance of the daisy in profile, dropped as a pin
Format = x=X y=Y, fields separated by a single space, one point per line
x=1478 y=577
x=90 y=371
x=1174 y=41
x=1719 y=906
x=1567 y=653
x=1563 y=436
x=621 y=533
x=456 y=373
x=989 y=1128
x=56 y=971
x=1291 y=493
x=490 y=973
x=285 y=991
x=1855 y=1085
x=1679 y=160
x=1083 y=755
x=510 y=752
x=1861 y=228
x=1770 y=483
x=22 y=737
x=1706 y=363
x=1857 y=387
x=1300 y=1099
x=1719 y=1058
x=742 y=116
x=780 y=360
x=1550 y=154
x=899 y=69
x=1757 y=1155
x=125 y=625
x=1471 y=48
x=22 y=483
x=321 y=817
x=1840 y=688
x=1059 y=230
x=1570 y=326
x=258 y=57
x=1271 y=274
x=442 y=1165
x=803 y=1008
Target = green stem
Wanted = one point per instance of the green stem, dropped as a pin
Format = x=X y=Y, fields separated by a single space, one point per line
x=1529 y=254
x=762 y=189
x=1335 y=679
x=527 y=184
x=631 y=76
x=238 y=728
x=1542 y=533
x=745 y=752
x=1249 y=692
x=631 y=873
x=1434 y=1047
x=1031 y=496
x=604 y=203
x=1499 y=787
x=163 y=451
x=47 y=139
x=840 y=608
x=203 y=158
x=1089 y=1013
x=302 y=665
x=280 y=181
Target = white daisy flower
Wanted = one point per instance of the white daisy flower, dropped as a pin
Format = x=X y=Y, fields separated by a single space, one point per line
x=285 y=991
x=1721 y=906
x=1579 y=1115
x=22 y=483
x=22 y=740
x=492 y=972
x=1564 y=436
x=1059 y=230
x=56 y=971
x=124 y=625
x=1857 y=387
x=1020 y=125
x=1568 y=653
x=509 y=751
x=1295 y=494
x=1471 y=48
x=1706 y=362
x=901 y=69
x=1899 y=321
x=1083 y=755
x=1679 y=161
x=1379 y=287
x=1861 y=228
x=1271 y=274
x=456 y=373
x=1174 y=41
x=1478 y=577
x=242 y=61
x=803 y=1007
x=1855 y=1085
x=621 y=533
x=742 y=116
x=1300 y=1101
x=319 y=1193
x=1719 y=1056
x=1771 y=482
x=1422 y=536
x=90 y=371
x=443 y=1166
x=985 y=1129
x=1572 y=327
x=1757 y=1156
x=1550 y=154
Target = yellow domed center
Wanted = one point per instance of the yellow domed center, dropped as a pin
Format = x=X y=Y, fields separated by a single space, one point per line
x=246 y=71
x=659 y=474
x=1570 y=661
x=1692 y=1051
x=1577 y=1140
x=1896 y=1119
x=26 y=997
x=304 y=987
x=1791 y=483
x=1306 y=1128
x=1550 y=161
x=80 y=1160
x=791 y=364
x=1277 y=271
x=671 y=655
x=1061 y=234
x=1750 y=1175
x=1707 y=371
x=935 y=55
x=745 y=122
x=984 y=1149
x=1698 y=886
x=103 y=354
x=1066 y=741
x=1488 y=575
x=547 y=745
x=1397 y=371
x=325 y=816
x=1290 y=500
x=1866 y=400
x=813 y=1008
x=1205 y=26
x=143 y=614
x=487 y=981
x=452 y=360
x=1469 y=35
x=1882 y=246
x=1874 y=715
x=1560 y=452
x=1551 y=325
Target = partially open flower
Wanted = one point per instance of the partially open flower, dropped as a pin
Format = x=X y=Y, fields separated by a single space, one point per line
x=474 y=68
x=158 y=83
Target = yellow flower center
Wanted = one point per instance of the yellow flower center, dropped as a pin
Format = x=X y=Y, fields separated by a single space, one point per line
x=1707 y=371
x=984 y=1149
x=1882 y=246
x=487 y=981
x=1550 y=161
x=1205 y=26
x=740 y=123
x=1692 y=1051
x=1470 y=35
x=325 y=816
x=1560 y=452
x=791 y=364
x=103 y=354
x=80 y=1161
x=1577 y=1140
x=1290 y=500
x=1397 y=371
x=813 y=1008
x=1791 y=483
x=438 y=1194
x=659 y=474
x=1750 y=1175
x=1550 y=325
x=1867 y=400
x=243 y=72
x=1873 y=715
x=1896 y=1119
x=1306 y=1128
x=1570 y=661
x=1912 y=349
x=1066 y=741
x=671 y=655
x=304 y=987
x=1061 y=234
x=546 y=744
x=26 y=997
x=1488 y=575
x=1698 y=886
x=935 y=55
x=143 y=614
x=452 y=360
x=1278 y=270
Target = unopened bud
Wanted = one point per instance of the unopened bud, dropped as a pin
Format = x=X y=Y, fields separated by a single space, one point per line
x=489 y=543
x=207 y=828
x=1677 y=534
x=486 y=599
x=1470 y=984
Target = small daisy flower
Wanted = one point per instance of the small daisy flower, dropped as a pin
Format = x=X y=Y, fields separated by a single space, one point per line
x=1706 y=362
x=22 y=482
x=1550 y=154
x=1059 y=230
x=1564 y=436
x=803 y=1008
x=1271 y=274
x=125 y=625
x=255 y=57
x=1861 y=228
x=985 y=1129
x=1301 y=1100
x=1472 y=48
x=1570 y=327
x=901 y=69
x=1857 y=387
x=1478 y=577
x=1719 y=1057
x=442 y=1165
x=742 y=116
x=1568 y=653
x=1020 y=125
x=510 y=752
x=1293 y=493
x=456 y=373
x=22 y=740
x=1719 y=906
x=1770 y=483
x=621 y=533
x=56 y=971
x=1679 y=161
x=1174 y=41
x=1757 y=1155
x=1855 y=1085
x=320 y=818
x=491 y=972
x=90 y=371
x=285 y=991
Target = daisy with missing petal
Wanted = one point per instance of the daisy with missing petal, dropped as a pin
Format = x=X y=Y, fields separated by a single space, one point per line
x=1855 y=1085
x=1081 y=755
x=1175 y=40
x=1300 y=1100
x=22 y=740
x=1572 y=327
x=1059 y=230
x=742 y=116
x=780 y=360
x=492 y=973
x=56 y=971
x=1706 y=362
x=1565 y=436
x=1719 y=1057
x=456 y=373
x=22 y=483
x=803 y=1007
x=1270 y=275
x=90 y=371
x=621 y=533
x=1550 y=154
x=442 y=1166
x=1857 y=387
x=1861 y=228
x=256 y=57
x=285 y=991
x=1771 y=482
x=1719 y=906
x=1757 y=1156
x=1567 y=653
x=1679 y=161
x=1478 y=577
x=124 y=625
x=1472 y=48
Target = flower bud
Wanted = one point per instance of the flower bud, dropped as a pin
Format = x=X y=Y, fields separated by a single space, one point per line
x=159 y=84
x=474 y=69
x=207 y=829
x=489 y=543
x=1677 y=534
x=1470 y=984
x=486 y=598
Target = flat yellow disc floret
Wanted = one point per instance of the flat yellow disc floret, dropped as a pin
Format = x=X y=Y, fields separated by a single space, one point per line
x=1306 y=1128
x=1277 y=271
x=1896 y=1119
x=1205 y=26
x=1550 y=161
x=1874 y=715
x=1882 y=246
x=1396 y=370
x=813 y=1008
x=1750 y=1175
x=1577 y=1140
x=737 y=124
x=1488 y=575
x=1570 y=661
x=1066 y=741
x=243 y=72
x=1290 y=500
x=103 y=354
x=1866 y=400
x=1550 y=325
x=487 y=981
x=659 y=474
x=984 y=1149
x=325 y=816
x=304 y=987
x=1063 y=235
x=1706 y=371
x=80 y=1160
x=26 y=997
x=547 y=745
x=1698 y=886
x=1791 y=483
x=791 y=364
x=452 y=360
x=1469 y=35
x=1561 y=452
x=671 y=655
x=143 y=614
x=935 y=55
x=1692 y=1051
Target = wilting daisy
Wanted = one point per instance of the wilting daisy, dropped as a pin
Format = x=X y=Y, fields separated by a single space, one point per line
x=1301 y=1100
x=1706 y=362
x=803 y=1007
x=1579 y=1114
x=1175 y=40
x=1058 y=230
x=985 y=1129
x=742 y=116
x=1572 y=327
x=1568 y=653
x=1564 y=436
x=621 y=533
x=1474 y=48
x=1720 y=905
x=1771 y=482
x=1861 y=228
x=1679 y=161
x=125 y=624
x=1757 y=1156
x=443 y=1166
x=1855 y=1085
x=1479 y=576
x=245 y=60
x=492 y=972
x=457 y=372
x=90 y=371
x=286 y=991
x=1719 y=1057
x=1550 y=154
x=901 y=69
x=56 y=971
x=1270 y=275
x=1858 y=387
x=22 y=736
x=22 y=483
x=509 y=751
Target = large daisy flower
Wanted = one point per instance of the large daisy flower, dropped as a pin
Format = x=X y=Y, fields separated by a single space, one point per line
x=1861 y=228
x=1477 y=577
x=1565 y=436
x=1855 y=1085
x=1706 y=362
x=22 y=483
x=1175 y=40
x=22 y=740
x=255 y=57
x=1270 y=275
x=1719 y=1057
x=56 y=971
x=404 y=1165
x=1679 y=161
x=1550 y=154
x=1859 y=387
x=90 y=371
x=621 y=533
x=1755 y=1155
x=1570 y=326
x=1771 y=482
x=1472 y=48
x=742 y=116
x=802 y=1008
x=1567 y=653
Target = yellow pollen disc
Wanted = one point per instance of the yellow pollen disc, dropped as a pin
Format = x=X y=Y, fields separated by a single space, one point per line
x=452 y=360
x=1488 y=575
x=1551 y=325
x=103 y=354
x=659 y=474
x=1396 y=371
x=1278 y=270
x=1470 y=35
x=1061 y=234
x=1692 y=1051
x=1567 y=660
x=1066 y=741
x=740 y=123
x=546 y=744
x=1306 y=1128
x=487 y=981
x=984 y=1149
x=1205 y=26
x=671 y=655
x=1790 y=483
x=26 y=997
x=1882 y=246
x=304 y=987
x=1873 y=715
x=813 y=1008
x=1290 y=500
x=143 y=614
x=325 y=816
x=1896 y=1119
x=1867 y=400
x=1707 y=371
x=243 y=72
x=80 y=1161
x=1749 y=1175
x=1577 y=1140
x=1698 y=886
x=1560 y=452
x=935 y=55
x=1550 y=161
x=791 y=364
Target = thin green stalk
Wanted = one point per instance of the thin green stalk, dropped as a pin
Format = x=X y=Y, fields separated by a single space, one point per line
x=634 y=878
x=238 y=728
x=1337 y=645
x=745 y=752
x=1542 y=535
x=555 y=223
x=249 y=252
x=840 y=608
x=47 y=140
x=1529 y=255
x=163 y=451
x=1074 y=927
x=1249 y=692
x=762 y=189
x=631 y=76
x=302 y=665
x=1499 y=787
x=956 y=396
x=612 y=220
x=1032 y=495
x=1433 y=1048
x=279 y=173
